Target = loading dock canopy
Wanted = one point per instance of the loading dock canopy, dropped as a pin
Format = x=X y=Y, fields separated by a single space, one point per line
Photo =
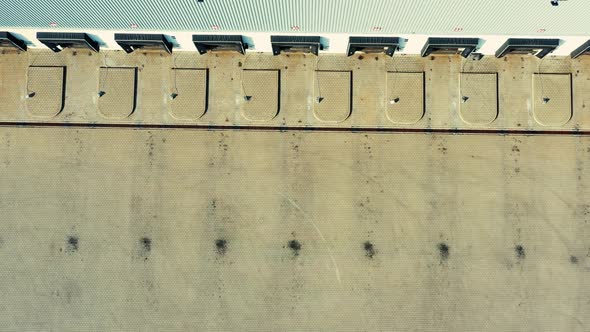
x=444 y=45
x=387 y=45
x=7 y=39
x=301 y=44
x=131 y=42
x=582 y=50
x=57 y=41
x=205 y=43
x=538 y=47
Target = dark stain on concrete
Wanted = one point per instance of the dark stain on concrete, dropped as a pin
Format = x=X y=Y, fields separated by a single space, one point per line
x=145 y=244
x=444 y=251
x=573 y=259
x=295 y=246
x=221 y=245
x=442 y=148
x=151 y=146
x=73 y=244
x=213 y=204
x=520 y=252
x=369 y=249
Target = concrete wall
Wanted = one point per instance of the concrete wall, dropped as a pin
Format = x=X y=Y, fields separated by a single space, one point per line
x=121 y=229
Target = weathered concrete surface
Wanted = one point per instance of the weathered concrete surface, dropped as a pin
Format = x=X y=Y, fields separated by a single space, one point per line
x=119 y=229
x=357 y=91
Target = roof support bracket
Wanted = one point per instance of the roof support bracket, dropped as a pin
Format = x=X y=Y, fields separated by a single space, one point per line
x=387 y=45
x=57 y=41
x=463 y=46
x=292 y=44
x=205 y=43
x=131 y=42
x=536 y=46
x=8 y=39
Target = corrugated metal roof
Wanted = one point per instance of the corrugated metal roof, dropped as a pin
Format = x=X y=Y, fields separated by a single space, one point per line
x=465 y=17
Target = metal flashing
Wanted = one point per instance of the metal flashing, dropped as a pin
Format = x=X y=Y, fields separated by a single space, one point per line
x=8 y=39
x=301 y=44
x=536 y=46
x=463 y=46
x=131 y=42
x=387 y=45
x=205 y=43
x=57 y=41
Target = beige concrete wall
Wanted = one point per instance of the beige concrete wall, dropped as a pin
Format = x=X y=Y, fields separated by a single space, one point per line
x=513 y=102
x=120 y=229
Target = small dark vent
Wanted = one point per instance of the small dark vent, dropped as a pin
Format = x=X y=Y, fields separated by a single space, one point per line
x=205 y=43
x=582 y=50
x=57 y=41
x=7 y=39
x=387 y=45
x=538 y=47
x=295 y=44
x=131 y=42
x=443 y=45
